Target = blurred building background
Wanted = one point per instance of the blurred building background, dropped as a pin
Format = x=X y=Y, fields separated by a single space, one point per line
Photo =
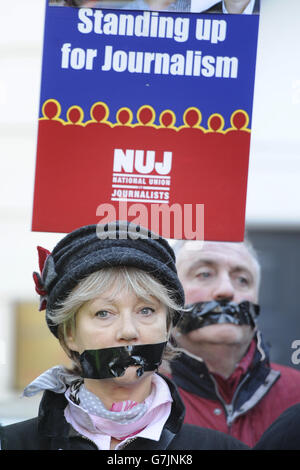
x=273 y=201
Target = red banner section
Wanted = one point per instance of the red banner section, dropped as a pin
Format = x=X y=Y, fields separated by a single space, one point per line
x=90 y=171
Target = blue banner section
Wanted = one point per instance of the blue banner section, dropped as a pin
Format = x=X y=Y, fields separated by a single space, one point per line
x=164 y=60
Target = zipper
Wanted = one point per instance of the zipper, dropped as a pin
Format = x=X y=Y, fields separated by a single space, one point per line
x=229 y=408
x=237 y=391
x=121 y=448
x=89 y=440
x=128 y=442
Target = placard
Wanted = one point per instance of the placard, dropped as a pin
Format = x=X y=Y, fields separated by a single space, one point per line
x=145 y=116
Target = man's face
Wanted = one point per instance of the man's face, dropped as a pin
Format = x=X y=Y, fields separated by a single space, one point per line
x=218 y=271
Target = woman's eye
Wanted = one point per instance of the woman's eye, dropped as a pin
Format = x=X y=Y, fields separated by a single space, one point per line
x=102 y=314
x=146 y=311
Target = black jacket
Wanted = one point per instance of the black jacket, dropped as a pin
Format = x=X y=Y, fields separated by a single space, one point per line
x=217 y=8
x=50 y=431
x=284 y=433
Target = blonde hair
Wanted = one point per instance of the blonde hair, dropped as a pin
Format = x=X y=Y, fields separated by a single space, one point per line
x=116 y=280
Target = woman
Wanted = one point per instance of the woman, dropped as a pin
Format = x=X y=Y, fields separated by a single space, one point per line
x=111 y=295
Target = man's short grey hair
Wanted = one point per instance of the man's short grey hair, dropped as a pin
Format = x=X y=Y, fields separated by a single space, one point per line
x=179 y=244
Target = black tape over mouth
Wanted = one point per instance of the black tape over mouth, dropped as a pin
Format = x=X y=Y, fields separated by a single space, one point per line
x=203 y=314
x=112 y=362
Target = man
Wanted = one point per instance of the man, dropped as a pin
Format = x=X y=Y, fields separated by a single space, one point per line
x=224 y=375
x=235 y=6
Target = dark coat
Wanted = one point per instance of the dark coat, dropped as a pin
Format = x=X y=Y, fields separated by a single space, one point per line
x=284 y=433
x=50 y=431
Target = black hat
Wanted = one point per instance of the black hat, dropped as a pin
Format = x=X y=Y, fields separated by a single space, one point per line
x=93 y=247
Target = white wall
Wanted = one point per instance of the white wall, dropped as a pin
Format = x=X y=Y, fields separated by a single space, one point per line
x=273 y=190
x=273 y=184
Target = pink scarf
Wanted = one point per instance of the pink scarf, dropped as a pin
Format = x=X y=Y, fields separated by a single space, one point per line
x=98 y=428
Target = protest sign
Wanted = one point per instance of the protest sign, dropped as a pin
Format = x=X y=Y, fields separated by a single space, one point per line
x=145 y=116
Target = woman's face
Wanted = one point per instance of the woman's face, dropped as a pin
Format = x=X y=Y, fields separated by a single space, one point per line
x=125 y=320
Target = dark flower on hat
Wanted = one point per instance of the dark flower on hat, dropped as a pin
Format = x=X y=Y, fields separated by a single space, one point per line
x=43 y=280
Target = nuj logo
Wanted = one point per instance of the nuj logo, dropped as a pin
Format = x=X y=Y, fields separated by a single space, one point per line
x=142 y=162
x=141 y=187
x=141 y=176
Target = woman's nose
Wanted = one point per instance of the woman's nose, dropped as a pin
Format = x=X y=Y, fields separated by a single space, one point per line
x=127 y=329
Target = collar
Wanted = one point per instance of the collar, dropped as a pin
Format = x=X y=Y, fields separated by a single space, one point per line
x=52 y=425
x=147 y=424
x=228 y=386
x=192 y=374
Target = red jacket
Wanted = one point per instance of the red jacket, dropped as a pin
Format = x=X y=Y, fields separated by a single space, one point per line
x=244 y=407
